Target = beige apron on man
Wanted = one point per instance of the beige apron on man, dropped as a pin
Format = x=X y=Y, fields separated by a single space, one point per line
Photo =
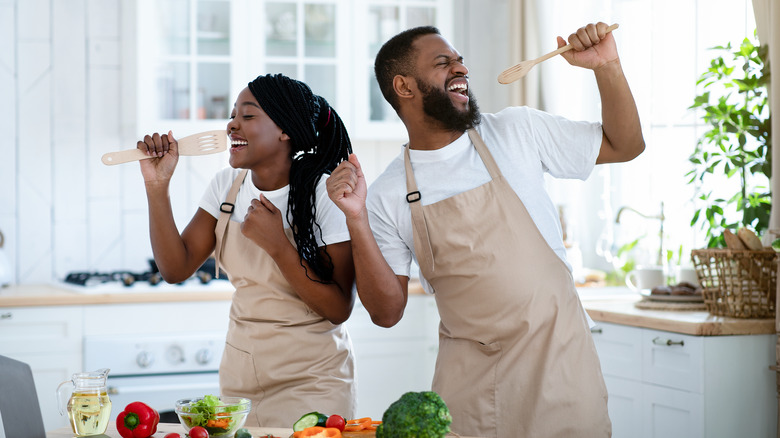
x=279 y=353
x=516 y=357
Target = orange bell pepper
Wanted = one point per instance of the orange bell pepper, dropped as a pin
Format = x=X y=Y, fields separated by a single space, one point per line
x=318 y=432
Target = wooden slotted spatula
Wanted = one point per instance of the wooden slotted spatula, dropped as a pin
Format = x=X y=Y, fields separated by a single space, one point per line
x=518 y=71
x=209 y=142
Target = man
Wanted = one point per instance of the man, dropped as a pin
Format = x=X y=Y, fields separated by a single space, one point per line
x=466 y=199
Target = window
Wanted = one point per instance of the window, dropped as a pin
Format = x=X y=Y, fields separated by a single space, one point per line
x=663 y=47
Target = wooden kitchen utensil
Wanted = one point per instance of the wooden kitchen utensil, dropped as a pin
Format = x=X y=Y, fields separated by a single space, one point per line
x=518 y=71
x=209 y=142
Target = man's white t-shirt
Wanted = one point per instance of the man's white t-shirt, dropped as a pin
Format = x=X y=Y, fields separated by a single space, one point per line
x=332 y=223
x=525 y=143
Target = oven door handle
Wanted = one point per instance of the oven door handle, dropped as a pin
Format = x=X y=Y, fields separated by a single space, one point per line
x=133 y=389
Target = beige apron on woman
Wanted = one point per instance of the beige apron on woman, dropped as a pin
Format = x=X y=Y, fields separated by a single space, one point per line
x=516 y=357
x=279 y=353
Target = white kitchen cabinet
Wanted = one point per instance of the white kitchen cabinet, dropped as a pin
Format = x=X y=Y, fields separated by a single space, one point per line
x=48 y=339
x=664 y=384
x=189 y=71
x=392 y=361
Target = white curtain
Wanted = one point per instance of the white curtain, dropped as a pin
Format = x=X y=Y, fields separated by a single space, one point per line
x=767 y=13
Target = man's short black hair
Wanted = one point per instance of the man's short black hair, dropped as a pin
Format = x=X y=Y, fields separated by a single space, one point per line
x=395 y=58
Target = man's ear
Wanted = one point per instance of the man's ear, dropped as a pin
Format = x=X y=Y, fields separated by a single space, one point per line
x=284 y=137
x=404 y=86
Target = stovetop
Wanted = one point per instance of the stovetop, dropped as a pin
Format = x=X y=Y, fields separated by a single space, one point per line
x=147 y=281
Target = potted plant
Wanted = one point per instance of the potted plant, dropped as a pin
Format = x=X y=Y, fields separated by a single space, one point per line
x=732 y=159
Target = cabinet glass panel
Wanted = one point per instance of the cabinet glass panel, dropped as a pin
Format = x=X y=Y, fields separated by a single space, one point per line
x=174 y=35
x=381 y=111
x=320 y=24
x=289 y=70
x=173 y=89
x=322 y=80
x=384 y=23
x=213 y=91
x=419 y=17
x=213 y=27
x=281 y=29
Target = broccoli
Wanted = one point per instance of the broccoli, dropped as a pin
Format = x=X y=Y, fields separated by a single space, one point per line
x=416 y=414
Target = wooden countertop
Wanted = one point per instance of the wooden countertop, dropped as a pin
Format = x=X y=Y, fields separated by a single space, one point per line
x=610 y=305
x=621 y=310
x=62 y=295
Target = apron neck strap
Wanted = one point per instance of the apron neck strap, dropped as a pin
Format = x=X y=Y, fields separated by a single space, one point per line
x=484 y=154
x=226 y=209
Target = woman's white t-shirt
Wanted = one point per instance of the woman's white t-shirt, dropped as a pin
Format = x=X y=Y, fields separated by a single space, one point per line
x=525 y=143
x=332 y=223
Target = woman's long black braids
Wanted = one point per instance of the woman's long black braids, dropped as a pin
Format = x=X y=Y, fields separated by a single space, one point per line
x=319 y=143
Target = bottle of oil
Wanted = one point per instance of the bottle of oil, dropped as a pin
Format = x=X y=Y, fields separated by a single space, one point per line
x=88 y=407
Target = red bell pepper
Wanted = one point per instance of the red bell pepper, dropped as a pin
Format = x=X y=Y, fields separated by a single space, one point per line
x=138 y=420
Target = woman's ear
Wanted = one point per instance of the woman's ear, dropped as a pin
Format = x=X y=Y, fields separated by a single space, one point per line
x=404 y=86
x=284 y=137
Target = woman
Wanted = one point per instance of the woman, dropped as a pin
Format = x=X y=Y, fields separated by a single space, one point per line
x=284 y=244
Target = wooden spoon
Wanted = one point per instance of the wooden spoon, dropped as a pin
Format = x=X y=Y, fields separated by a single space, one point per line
x=209 y=142
x=518 y=71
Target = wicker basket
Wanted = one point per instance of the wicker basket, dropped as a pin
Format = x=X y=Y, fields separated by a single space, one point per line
x=737 y=283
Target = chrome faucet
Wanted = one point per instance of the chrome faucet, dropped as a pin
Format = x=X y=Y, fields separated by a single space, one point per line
x=660 y=217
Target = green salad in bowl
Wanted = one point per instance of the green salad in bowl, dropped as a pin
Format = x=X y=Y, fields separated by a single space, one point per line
x=220 y=416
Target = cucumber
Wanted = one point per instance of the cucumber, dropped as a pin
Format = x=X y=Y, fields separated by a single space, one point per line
x=307 y=420
x=322 y=419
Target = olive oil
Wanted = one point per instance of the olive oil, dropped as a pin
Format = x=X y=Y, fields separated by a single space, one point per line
x=89 y=413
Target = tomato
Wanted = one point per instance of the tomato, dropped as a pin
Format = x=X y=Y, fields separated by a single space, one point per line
x=172 y=435
x=336 y=421
x=198 y=432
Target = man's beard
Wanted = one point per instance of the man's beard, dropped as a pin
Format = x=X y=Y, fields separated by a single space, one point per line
x=437 y=104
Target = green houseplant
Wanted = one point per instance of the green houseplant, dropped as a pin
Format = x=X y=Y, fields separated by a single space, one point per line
x=732 y=159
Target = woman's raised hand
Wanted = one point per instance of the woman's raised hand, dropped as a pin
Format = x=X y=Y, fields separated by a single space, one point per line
x=164 y=150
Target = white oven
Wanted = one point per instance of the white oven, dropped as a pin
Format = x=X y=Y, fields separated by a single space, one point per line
x=158 y=350
x=156 y=369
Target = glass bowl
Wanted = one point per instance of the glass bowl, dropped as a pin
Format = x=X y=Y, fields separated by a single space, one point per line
x=221 y=417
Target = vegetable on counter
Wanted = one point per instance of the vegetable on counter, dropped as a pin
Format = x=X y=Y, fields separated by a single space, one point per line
x=138 y=420
x=416 y=414
x=198 y=432
x=336 y=421
x=243 y=433
x=365 y=423
x=309 y=420
x=318 y=432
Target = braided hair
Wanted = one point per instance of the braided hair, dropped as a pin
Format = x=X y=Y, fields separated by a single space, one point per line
x=319 y=143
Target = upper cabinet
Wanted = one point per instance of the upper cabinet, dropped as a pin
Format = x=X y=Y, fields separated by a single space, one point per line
x=195 y=56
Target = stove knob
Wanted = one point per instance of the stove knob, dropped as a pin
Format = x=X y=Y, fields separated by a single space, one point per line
x=174 y=354
x=144 y=359
x=203 y=356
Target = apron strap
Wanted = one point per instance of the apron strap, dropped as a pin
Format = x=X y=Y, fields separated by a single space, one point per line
x=487 y=157
x=422 y=248
x=226 y=209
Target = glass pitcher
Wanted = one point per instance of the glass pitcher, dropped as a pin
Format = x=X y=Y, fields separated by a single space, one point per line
x=88 y=406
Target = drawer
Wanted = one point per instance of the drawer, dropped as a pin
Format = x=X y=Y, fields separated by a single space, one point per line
x=26 y=330
x=673 y=360
x=620 y=350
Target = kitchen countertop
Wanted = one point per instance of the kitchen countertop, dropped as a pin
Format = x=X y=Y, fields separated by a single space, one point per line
x=164 y=428
x=619 y=308
x=614 y=305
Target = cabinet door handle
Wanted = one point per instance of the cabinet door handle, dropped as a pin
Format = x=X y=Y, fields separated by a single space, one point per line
x=659 y=341
x=597 y=330
x=7 y=315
